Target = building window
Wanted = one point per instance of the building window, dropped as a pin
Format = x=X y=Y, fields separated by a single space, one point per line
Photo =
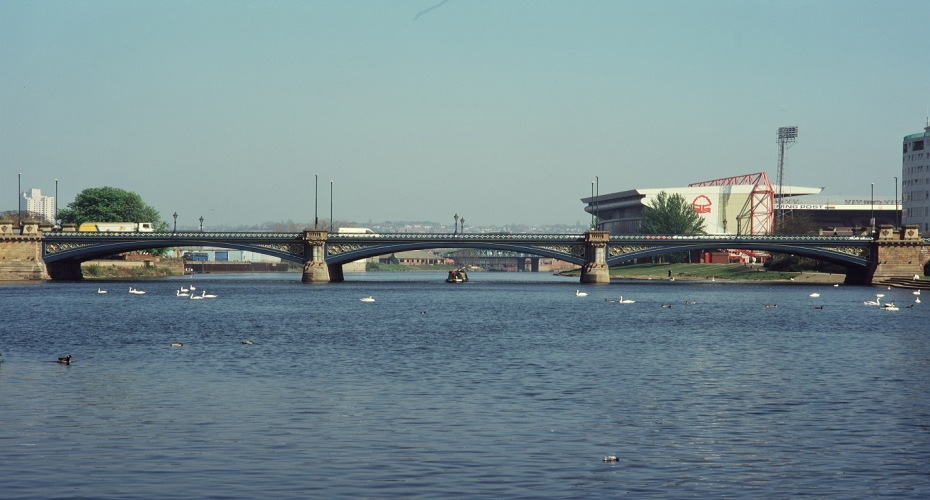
x=918 y=145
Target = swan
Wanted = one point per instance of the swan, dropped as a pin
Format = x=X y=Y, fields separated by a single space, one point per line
x=690 y=302
x=367 y=299
x=182 y=293
x=771 y=306
x=611 y=458
x=579 y=293
x=876 y=302
x=917 y=300
x=247 y=342
x=184 y=290
x=137 y=292
x=667 y=306
x=625 y=301
x=836 y=285
x=65 y=360
x=177 y=344
x=204 y=294
x=879 y=295
x=889 y=307
x=193 y=287
x=915 y=292
x=100 y=290
x=196 y=297
x=815 y=294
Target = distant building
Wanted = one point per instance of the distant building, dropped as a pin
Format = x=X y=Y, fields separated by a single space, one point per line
x=40 y=204
x=915 y=179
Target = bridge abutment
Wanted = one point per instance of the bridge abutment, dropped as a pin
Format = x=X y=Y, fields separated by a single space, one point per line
x=595 y=269
x=315 y=268
x=21 y=254
x=898 y=253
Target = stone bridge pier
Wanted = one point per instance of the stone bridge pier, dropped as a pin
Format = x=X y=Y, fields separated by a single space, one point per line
x=896 y=252
x=316 y=270
x=595 y=269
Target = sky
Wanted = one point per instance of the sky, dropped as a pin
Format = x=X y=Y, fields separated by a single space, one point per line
x=414 y=110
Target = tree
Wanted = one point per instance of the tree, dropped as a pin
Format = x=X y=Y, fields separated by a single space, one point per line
x=108 y=204
x=670 y=215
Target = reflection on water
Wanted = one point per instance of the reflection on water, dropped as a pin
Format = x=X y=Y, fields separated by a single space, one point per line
x=507 y=386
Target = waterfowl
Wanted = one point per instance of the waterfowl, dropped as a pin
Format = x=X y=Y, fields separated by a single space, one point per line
x=916 y=292
x=876 y=302
x=206 y=295
x=815 y=294
x=667 y=306
x=836 y=285
x=177 y=344
x=196 y=297
x=182 y=293
x=818 y=307
x=771 y=306
x=367 y=299
x=100 y=290
x=625 y=301
x=247 y=342
x=611 y=458
x=690 y=302
x=184 y=290
x=65 y=360
x=917 y=300
x=136 y=292
x=579 y=293
x=889 y=307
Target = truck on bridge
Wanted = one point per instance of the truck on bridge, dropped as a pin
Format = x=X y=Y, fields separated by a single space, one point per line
x=116 y=227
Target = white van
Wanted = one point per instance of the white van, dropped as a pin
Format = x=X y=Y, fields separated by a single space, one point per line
x=356 y=230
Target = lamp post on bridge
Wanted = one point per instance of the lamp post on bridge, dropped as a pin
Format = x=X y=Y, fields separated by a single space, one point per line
x=872 y=212
x=897 y=222
x=201 y=224
x=456 y=230
x=175 y=215
x=462 y=220
x=55 y=217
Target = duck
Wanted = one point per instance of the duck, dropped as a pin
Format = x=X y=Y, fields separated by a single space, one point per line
x=818 y=307
x=177 y=344
x=100 y=290
x=611 y=458
x=579 y=293
x=367 y=299
x=771 y=306
x=65 y=360
x=247 y=342
x=667 y=306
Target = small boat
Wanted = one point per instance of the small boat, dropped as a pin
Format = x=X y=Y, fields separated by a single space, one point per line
x=457 y=276
x=367 y=299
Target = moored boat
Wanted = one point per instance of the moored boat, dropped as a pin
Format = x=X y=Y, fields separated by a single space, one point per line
x=457 y=276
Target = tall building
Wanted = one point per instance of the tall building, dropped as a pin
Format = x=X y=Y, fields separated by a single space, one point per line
x=36 y=202
x=915 y=179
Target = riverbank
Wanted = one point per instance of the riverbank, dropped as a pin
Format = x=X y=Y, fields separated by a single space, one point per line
x=731 y=272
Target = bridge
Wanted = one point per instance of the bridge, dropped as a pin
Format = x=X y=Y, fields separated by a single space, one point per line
x=891 y=252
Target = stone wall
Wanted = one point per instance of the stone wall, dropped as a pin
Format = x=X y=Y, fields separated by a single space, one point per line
x=899 y=253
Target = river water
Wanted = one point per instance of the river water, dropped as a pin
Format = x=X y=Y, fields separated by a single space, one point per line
x=509 y=386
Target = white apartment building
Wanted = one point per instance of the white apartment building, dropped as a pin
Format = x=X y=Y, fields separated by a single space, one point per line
x=915 y=180
x=38 y=203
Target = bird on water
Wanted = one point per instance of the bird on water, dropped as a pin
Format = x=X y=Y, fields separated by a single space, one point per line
x=65 y=360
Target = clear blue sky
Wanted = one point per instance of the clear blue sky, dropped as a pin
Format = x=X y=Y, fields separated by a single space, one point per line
x=500 y=111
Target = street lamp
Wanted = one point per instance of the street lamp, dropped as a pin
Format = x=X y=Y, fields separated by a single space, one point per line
x=201 y=224
x=55 y=217
x=175 y=215
x=872 y=213
x=19 y=200
x=897 y=222
x=462 y=220
x=456 y=217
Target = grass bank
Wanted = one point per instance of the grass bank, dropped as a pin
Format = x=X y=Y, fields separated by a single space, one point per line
x=714 y=271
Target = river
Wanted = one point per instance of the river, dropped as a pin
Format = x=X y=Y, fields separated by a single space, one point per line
x=509 y=386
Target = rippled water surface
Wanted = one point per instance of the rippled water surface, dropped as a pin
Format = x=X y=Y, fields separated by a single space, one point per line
x=509 y=386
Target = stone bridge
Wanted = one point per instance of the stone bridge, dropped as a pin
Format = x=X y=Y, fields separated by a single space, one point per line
x=891 y=253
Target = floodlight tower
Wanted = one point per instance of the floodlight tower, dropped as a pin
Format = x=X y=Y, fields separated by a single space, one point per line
x=786 y=136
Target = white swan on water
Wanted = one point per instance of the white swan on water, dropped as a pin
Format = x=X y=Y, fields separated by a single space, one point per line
x=916 y=292
x=204 y=294
x=182 y=293
x=625 y=301
x=100 y=290
x=815 y=294
x=876 y=302
x=367 y=299
x=137 y=292
x=579 y=293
